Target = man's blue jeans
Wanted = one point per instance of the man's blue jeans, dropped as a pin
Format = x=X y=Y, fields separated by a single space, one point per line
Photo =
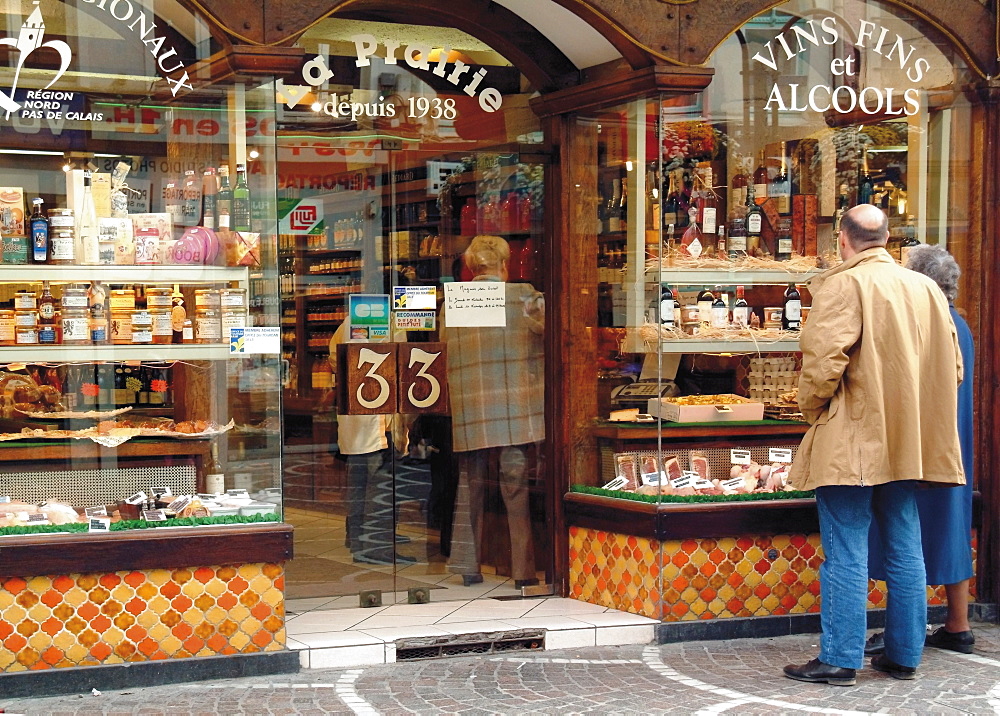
x=845 y=514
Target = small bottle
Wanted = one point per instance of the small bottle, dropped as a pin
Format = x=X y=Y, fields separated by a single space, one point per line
x=754 y=221
x=209 y=194
x=709 y=211
x=720 y=244
x=720 y=311
x=88 y=232
x=48 y=310
x=866 y=187
x=781 y=187
x=97 y=298
x=791 y=315
x=705 y=300
x=224 y=200
x=241 y=201
x=741 y=311
x=178 y=314
x=39 y=233
x=783 y=241
x=760 y=180
x=667 y=307
x=215 y=477
x=739 y=188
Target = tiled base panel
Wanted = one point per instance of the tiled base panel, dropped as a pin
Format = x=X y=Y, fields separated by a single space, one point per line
x=682 y=580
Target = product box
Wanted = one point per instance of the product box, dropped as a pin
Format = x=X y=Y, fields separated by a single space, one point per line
x=729 y=408
x=15 y=250
x=116 y=244
x=100 y=187
x=153 y=233
x=12 y=216
x=805 y=208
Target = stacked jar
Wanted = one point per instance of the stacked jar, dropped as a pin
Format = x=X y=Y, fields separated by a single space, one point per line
x=207 y=316
x=25 y=318
x=122 y=307
x=75 y=316
x=233 y=306
x=158 y=303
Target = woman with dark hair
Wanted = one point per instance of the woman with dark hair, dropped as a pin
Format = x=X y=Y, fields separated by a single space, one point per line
x=945 y=514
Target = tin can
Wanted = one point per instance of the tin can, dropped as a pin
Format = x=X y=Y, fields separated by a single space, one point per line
x=122 y=299
x=207 y=326
x=25 y=301
x=7 y=325
x=121 y=327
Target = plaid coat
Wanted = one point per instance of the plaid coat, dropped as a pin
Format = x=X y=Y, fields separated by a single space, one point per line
x=496 y=376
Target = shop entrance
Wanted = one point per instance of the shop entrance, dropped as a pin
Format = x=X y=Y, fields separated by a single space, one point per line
x=414 y=433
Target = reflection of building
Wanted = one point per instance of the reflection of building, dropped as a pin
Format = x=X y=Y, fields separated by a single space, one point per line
x=594 y=96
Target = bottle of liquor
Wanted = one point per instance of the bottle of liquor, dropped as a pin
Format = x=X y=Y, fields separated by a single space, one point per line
x=97 y=300
x=842 y=205
x=908 y=242
x=623 y=204
x=781 y=187
x=39 y=233
x=791 y=315
x=612 y=213
x=705 y=300
x=178 y=314
x=467 y=218
x=720 y=245
x=48 y=308
x=760 y=180
x=720 y=311
x=241 y=201
x=209 y=194
x=737 y=238
x=754 y=222
x=88 y=231
x=738 y=197
x=666 y=307
x=709 y=211
x=866 y=187
x=741 y=311
x=783 y=241
x=224 y=200
x=215 y=476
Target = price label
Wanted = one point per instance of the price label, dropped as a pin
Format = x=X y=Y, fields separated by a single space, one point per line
x=99 y=524
x=702 y=484
x=137 y=499
x=154 y=516
x=4 y=498
x=38 y=518
x=160 y=491
x=100 y=511
x=683 y=481
x=779 y=455
x=739 y=457
x=179 y=504
x=733 y=484
x=616 y=484
x=239 y=494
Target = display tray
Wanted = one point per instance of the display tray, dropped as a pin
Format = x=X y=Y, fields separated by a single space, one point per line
x=112 y=436
x=729 y=408
x=75 y=414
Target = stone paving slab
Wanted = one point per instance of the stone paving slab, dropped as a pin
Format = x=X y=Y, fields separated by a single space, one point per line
x=704 y=678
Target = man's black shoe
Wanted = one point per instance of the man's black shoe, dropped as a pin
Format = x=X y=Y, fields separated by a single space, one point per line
x=960 y=641
x=883 y=663
x=818 y=672
x=875 y=644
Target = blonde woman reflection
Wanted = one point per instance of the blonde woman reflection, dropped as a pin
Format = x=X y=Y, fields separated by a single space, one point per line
x=496 y=379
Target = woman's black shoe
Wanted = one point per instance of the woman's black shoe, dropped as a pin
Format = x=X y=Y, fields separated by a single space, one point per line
x=818 y=672
x=960 y=641
x=883 y=663
x=875 y=644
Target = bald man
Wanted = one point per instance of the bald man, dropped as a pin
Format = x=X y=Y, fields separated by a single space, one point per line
x=880 y=371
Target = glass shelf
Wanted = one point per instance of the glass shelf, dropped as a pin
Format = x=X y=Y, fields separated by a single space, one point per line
x=754 y=277
x=707 y=346
x=88 y=354
x=36 y=273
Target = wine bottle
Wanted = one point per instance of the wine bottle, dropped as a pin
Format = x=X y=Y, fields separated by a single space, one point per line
x=241 y=201
x=614 y=220
x=224 y=200
x=666 y=307
x=209 y=195
x=720 y=311
x=909 y=241
x=215 y=476
x=791 y=314
x=623 y=204
x=178 y=314
x=754 y=222
x=739 y=188
x=760 y=180
x=720 y=244
x=705 y=300
x=866 y=187
x=781 y=188
x=39 y=223
x=88 y=231
x=783 y=241
x=737 y=238
x=709 y=211
x=741 y=311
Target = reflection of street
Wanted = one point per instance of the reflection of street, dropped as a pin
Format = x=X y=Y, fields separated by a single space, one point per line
x=324 y=572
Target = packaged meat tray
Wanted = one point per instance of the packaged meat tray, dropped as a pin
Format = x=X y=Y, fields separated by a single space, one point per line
x=705 y=408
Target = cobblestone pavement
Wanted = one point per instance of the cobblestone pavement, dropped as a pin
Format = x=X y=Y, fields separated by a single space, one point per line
x=704 y=678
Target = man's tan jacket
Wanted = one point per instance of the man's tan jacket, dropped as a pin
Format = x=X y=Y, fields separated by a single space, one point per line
x=880 y=372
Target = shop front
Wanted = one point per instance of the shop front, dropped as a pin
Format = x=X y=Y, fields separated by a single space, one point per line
x=140 y=500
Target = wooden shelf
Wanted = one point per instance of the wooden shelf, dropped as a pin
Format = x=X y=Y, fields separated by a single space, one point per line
x=681 y=431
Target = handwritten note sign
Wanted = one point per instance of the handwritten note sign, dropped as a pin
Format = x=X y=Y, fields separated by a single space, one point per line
x=469 y=304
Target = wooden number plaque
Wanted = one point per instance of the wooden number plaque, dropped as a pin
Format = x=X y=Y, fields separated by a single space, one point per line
x=423 y=378
x=366 y=378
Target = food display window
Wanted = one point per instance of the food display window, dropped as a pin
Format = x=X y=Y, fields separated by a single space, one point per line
x=704 y=217
x=140 y=369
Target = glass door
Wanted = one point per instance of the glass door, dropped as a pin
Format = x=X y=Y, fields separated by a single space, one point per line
x=413 y=319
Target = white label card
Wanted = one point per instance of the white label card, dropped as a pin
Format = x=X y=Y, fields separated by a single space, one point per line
x=161 y=491
x=739 y=457
x=99 y=524
x=779 y=455
x=38 y=518
x=683 y=481
x=154 y=516
x=137 y=499
x=616 y=484
x=179 y=504
x=701 y=484
x=733 y=484
x=475 y=303
x=101 y=511
x=238 y=493
x=4 y=498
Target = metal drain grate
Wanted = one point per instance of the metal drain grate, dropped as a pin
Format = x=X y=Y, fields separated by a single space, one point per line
x=460 y=644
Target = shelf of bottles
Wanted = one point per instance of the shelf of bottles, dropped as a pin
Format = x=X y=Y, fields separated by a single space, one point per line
x=730 y=277
x=693 y=345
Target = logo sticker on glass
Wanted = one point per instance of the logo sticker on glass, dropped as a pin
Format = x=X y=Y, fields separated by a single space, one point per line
x=368 y=314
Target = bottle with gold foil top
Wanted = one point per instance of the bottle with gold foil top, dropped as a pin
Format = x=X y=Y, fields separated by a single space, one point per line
x=178 y=314
x=48 y=309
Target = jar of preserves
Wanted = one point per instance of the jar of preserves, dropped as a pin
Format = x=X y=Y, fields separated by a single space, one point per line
x=207 y=326
x=25 y=319
x=158 y=297
x=233 y=298
x=231 y=320
x=6 y=327
x=121 y=327
x=75 y=297
x=26 y=335
x=62 y=236
x=142 y=327
x=163 y=328
x=206 y=298
x=25 y=301
x=122 y=299
x=75 y=324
